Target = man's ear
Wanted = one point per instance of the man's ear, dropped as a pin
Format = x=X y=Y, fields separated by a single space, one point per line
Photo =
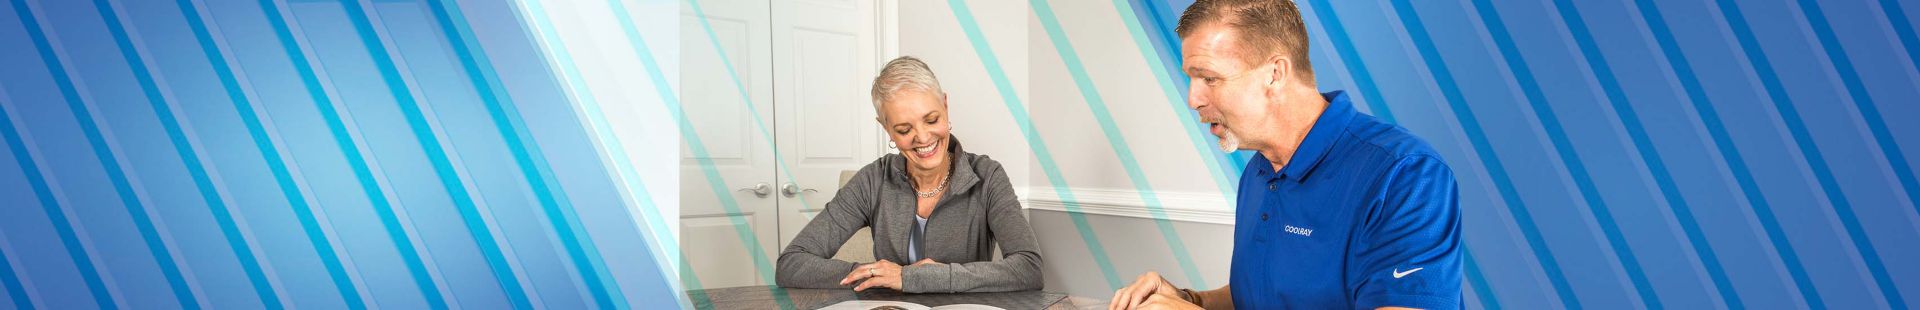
x=1282 y=74
x=1282 y=70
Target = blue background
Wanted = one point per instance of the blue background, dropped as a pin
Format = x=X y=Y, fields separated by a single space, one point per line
x=318 y=154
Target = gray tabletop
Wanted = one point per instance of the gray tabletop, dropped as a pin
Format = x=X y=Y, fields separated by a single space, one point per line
x=770 y=297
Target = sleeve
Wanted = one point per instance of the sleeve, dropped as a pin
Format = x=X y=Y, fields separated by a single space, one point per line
x=1408 y=248
x=807 y=262
x=1018 y=268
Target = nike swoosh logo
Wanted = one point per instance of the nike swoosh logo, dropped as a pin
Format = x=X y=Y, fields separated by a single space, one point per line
x=1398 y=274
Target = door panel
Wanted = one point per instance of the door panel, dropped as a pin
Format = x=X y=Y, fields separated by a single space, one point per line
x=732 y=147
x=825 y=57
x=720 y=258
x=806 y=67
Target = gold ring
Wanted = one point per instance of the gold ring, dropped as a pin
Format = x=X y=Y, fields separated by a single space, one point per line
x=872 y=272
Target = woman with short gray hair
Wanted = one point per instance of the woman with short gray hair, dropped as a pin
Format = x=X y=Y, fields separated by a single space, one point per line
x=932 y=204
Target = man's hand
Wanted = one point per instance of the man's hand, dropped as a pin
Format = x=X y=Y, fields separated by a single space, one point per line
x=1167 y=302
x=1142 y=290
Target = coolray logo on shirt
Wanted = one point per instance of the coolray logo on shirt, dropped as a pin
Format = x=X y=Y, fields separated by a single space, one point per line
x=1298 y=231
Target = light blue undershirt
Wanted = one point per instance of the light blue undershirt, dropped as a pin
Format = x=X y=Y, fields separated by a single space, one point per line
x=913 y=252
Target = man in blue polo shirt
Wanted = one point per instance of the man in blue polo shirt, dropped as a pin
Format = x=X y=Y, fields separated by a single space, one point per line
x=1340 y=211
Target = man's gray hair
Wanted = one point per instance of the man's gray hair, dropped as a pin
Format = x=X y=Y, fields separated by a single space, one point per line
x=903 y=74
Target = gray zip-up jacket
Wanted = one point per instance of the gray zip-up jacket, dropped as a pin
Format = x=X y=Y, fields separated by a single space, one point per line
x=978 y=209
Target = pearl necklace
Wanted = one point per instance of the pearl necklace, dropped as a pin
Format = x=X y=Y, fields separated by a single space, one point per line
x=936 y=190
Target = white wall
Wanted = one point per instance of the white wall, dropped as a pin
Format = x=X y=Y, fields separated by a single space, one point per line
x=928 y=30
x=1093 y=172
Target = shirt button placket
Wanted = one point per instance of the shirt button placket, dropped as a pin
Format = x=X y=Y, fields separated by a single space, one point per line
x=1273 y=186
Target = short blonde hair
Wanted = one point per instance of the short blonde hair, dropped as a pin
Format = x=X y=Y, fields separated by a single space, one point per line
x=903 y=74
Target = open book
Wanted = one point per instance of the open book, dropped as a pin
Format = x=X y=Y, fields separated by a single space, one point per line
x=900 y=305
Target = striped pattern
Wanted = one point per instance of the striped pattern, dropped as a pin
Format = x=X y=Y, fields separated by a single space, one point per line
x=352 y=154
x=1638 y=153
x=297 y=153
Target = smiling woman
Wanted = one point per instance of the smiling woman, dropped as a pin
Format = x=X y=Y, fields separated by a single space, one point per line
x=933 y=205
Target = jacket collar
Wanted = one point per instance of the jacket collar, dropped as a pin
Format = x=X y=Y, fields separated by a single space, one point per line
x=961 y=177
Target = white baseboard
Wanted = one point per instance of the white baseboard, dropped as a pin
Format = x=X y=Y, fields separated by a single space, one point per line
x=1199 y=207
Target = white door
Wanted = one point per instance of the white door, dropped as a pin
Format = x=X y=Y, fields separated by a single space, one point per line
x=825 y=56
x=805 y=67
x=727 y=181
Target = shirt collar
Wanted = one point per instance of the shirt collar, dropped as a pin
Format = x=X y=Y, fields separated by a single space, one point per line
x=1326 y=130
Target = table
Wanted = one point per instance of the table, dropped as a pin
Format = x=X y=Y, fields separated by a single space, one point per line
x=771 y=297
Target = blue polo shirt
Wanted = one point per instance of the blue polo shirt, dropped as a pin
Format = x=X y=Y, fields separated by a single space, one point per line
x=1364 y=215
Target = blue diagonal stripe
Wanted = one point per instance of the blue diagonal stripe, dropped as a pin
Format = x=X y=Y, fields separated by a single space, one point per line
x=1476 y=136
x=1163 y=45
x=1803 y=140
x=437 y=155
x=1722 y=140
x=1480 y=287
x=533 y=165
x=143 y=223
x=10 y=281
x=1117 y=139
x=82 y=262
x=1911 y=43
x=237 y=239
x=1160 y=62
x=1356 y=67
x=661 y=232
x=1897 y=161
x=1557 y=137
x=1000 y=82
x=577 y=85
x=1662 y=178
x=1903 y=29
x=1881 y=137
x=183 y=147
x=1343 y=45
x=355 y=158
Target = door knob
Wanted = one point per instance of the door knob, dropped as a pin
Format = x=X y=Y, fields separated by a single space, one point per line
x=759 y=190
x=791 y=189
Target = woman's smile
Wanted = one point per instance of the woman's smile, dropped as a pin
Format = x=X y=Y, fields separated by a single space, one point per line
x=927 y=152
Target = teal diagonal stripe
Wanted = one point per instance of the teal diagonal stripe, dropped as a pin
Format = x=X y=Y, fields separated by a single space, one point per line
x=1034 y=141
x=1116 y=139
